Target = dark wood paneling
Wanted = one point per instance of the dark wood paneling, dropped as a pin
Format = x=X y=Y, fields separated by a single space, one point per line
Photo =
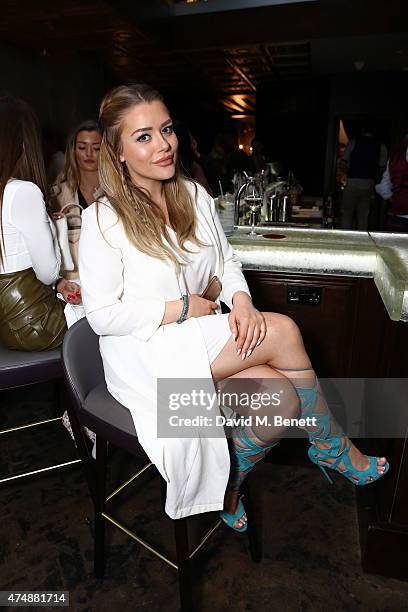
x=328 y=329
x=369 y=332
x=386 y=552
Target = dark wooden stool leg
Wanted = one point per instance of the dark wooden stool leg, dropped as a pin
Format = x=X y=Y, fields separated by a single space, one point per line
x=99 y=503
x=163 y=491
x=57 y=397
x=184 y=566
x=254 y=530
x=82 y=444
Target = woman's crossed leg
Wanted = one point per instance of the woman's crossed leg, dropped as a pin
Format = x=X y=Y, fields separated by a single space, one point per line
x=281 y=356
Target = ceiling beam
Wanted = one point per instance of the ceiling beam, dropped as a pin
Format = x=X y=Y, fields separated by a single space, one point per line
x=194 y=7
x=236 y=108
x=241 y=74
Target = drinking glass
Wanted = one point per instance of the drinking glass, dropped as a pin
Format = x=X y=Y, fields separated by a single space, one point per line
x=253 y=199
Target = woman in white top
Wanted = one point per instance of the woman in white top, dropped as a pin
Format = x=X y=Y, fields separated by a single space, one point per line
x=31 y=316
x=148 y=248
x=77 y=185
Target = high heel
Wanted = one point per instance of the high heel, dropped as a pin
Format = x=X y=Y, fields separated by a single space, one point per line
x=320 y=457
x=323 y=469
x=230 y=519
x=331 y=457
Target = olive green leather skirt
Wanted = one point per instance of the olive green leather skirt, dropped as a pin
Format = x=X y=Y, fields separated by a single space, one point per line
x=31 y=316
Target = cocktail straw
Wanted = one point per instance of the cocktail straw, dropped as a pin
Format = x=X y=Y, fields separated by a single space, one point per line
x=221 y=191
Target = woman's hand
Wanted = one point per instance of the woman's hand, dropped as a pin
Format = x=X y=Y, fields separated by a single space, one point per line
x=71 y=292
x=247 y=324
x=57 y=215
x=200 y=307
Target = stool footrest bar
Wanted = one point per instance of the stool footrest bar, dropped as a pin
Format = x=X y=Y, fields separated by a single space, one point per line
x=51 y=467
x=140 y=541
x=4 y=431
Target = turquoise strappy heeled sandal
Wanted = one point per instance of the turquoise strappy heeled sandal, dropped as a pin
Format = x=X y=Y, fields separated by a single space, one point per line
x=319 y=456
x=229 y=519
x=322 y=456
x=242 y=465
x=308 y=400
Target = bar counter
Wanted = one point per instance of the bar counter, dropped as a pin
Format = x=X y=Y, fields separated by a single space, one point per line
x=348 y=292
x=381 y=256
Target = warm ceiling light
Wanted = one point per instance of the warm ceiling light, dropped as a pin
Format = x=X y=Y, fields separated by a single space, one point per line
x=241 y=146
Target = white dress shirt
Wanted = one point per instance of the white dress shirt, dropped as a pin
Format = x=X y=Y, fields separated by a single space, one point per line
x=29 y=235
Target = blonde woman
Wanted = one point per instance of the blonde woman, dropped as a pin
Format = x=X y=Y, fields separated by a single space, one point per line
x=148 y=248
x=77 y=185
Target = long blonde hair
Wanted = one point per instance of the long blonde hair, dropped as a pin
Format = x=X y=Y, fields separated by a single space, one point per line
x=70 y=172
x=142 y=219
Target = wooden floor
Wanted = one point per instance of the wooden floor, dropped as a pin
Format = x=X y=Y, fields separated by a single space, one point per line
x=312 y=558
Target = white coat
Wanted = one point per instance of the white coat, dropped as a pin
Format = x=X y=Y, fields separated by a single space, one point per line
x=124 y=293
x=69 y=205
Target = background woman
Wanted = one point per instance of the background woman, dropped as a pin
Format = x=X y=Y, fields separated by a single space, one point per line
x=394 y=188
x=188 y=156
x=148 y=249
x=31 y=316
x=77 y=185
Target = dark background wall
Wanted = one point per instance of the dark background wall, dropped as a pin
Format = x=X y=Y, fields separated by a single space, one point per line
x=298 y=120
x=63 y=89
x=200 y=114
x=66 y=88
x=291 y=121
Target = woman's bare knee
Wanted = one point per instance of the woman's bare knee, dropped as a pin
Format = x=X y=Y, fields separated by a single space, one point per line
x=281 y=329
x=281 y=323
x=284 y=343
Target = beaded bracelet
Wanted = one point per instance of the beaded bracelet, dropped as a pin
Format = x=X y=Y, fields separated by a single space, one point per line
x=185 y=308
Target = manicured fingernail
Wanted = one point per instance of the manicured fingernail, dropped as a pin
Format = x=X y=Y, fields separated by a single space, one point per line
x=243 y=356
x=238 y=351
x=234 y=336
x=258 y=343
x=249 y=352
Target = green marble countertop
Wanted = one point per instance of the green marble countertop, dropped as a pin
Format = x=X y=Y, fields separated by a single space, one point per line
x=381 y=256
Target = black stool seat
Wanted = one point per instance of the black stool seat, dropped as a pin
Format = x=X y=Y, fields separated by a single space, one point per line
x=96 y=408
x=22 y=368
x=108 y=418
x=25 y=368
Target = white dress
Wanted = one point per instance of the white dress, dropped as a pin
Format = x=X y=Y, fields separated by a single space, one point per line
x=124 y=293
x=215 y=330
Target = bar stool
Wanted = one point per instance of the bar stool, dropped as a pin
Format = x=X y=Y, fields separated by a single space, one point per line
x=22 y=369
x=92 y=406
